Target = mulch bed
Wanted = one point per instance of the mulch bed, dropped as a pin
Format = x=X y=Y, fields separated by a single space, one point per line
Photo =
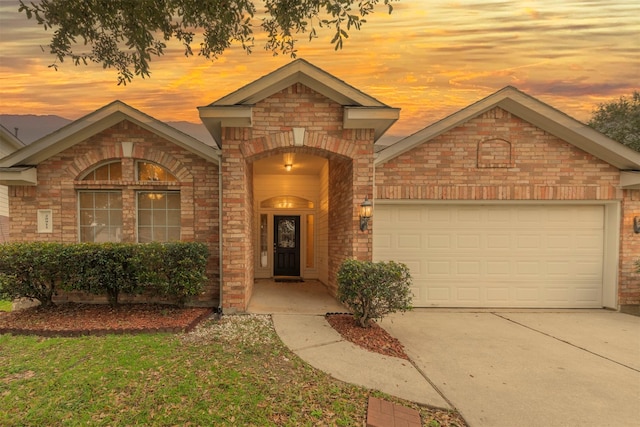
x=374 y=338
x=98 y=319
x=71 y=319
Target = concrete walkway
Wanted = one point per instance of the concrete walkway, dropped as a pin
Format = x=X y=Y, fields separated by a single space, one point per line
x=317 y=343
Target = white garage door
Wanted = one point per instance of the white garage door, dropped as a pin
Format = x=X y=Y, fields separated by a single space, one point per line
x=496 y=255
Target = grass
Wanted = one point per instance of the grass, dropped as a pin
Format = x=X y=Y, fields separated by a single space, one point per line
x=5 y=305
x=230 y=372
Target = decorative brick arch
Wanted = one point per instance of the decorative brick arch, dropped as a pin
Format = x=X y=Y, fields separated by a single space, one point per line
x=89 y=160
x=314 y=143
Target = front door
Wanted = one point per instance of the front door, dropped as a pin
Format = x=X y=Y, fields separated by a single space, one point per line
x=286 y=245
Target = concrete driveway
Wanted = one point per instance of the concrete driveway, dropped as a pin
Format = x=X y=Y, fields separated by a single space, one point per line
x=528 y=368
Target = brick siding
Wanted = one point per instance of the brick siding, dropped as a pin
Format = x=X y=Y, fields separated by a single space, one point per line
x=59 y=179
x=350 y=154
x=629 y=280
x=529 y=164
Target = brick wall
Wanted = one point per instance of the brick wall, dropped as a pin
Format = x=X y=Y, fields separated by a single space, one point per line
x=350 y=177
x=59 y=179
x=629 y=280
x=533 y=166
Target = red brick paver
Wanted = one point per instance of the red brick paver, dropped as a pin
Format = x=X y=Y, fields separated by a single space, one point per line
x=382 y=413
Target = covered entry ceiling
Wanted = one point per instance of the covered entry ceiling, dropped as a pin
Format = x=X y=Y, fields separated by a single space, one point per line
x=303 y=164
x=467 y=255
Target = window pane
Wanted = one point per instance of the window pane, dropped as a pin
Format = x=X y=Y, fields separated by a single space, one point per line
x=152 y=172
x=107 y=172
x=100 y=216
x=156 y=222
x=115 y=172
x=159 y=218
x=115 y=201
x=102 y=173
x=310 y=241
x=159 y=234
x=173 y=218
x=144 y=201
x=86 y=200
x=173 y=234
x=173 y=201
x=101 y=200
x=144 y=234
x=144 y=218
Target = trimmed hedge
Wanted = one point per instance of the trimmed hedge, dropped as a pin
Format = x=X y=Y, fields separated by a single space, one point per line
x=374 y=289
x=38 y=269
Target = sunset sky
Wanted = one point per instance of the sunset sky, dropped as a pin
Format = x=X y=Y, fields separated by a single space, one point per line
x=429 y=58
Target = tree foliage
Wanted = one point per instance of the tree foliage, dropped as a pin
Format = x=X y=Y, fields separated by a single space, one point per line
x=619 y=120
x=125 y=34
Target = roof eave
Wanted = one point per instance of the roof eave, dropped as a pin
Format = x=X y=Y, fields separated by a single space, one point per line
x=377 y=118
x=535 y=112
x=99 y=120
x=216 y=117
x=19 y=176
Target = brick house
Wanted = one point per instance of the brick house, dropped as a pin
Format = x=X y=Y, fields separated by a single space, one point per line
x=507 y=203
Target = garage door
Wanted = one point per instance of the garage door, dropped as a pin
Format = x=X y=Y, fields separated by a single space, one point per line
x=496 y=255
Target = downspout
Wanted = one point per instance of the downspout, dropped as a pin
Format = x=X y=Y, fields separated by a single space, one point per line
x=220 y=232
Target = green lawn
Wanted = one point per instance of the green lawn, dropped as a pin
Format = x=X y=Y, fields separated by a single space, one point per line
x=5 y=305
x=233 y=372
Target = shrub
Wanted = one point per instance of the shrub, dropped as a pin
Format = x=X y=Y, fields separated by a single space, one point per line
x=31 y=270
x=100 y=268
x=373 y=290
x=176 y=270
x=36 y=270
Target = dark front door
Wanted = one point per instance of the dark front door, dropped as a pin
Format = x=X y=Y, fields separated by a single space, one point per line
x=286 y=242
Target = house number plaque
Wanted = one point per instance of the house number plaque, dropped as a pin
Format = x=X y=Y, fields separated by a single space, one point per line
x=45 y=223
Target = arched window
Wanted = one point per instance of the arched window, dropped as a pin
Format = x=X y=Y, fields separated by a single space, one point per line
x=111 y=171
x=101 y=205
x=151 y=172
x=286 y=202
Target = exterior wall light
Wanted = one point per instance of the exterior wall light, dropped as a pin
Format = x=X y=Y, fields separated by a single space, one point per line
x=636 y=224
x=288 y=161
x=366 y=209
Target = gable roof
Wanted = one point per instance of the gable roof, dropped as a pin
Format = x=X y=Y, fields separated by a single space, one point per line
x=95 y=122
x=361 y=110
x=535 y=112
x=8 y=141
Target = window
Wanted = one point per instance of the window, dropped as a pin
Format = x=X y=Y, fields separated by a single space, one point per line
x=287 y=202
x=158 y=216
x=108 y=172
x=152 y=172
x=100 y=216
x=102 y=206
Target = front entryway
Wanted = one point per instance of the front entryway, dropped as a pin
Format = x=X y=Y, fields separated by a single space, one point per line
x=308 y=297
x=286 y=245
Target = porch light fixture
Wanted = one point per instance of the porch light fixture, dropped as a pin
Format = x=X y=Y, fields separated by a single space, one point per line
x=636 y=224
x=366 y=209
x=288 y=161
